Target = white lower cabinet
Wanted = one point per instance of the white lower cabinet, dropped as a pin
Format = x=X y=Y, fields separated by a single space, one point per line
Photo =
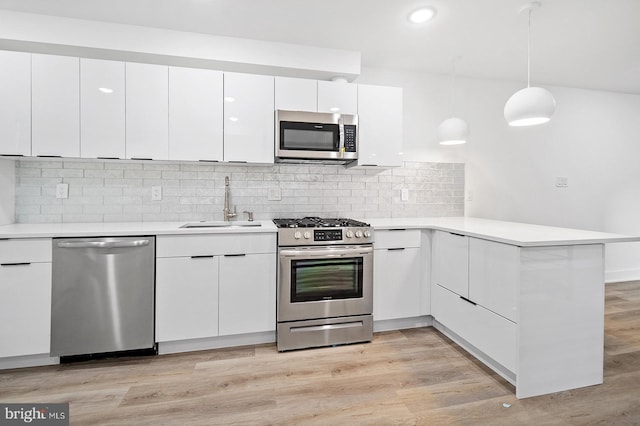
x=487 y=331
x=210 y=285
x=247 y=293
x=186 y=298
x=25 y=297
x=397 y=286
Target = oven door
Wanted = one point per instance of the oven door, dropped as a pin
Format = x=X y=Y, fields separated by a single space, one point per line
x=324 y=282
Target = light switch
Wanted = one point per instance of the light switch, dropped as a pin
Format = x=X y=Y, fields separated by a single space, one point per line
x=274 y=194
x=62 y=190
x=156 y=193
x=404 y=194
x=562 y=181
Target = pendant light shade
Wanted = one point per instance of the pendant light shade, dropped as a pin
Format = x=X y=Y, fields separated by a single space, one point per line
x=453 y=131
x=530 y=106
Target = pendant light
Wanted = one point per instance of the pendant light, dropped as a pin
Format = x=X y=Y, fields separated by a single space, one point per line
x=454 y=130
x=532 y=105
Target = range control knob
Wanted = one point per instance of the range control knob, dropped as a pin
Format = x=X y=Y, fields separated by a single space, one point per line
x=367 y=234
x=358 y=234
x=297 y=235
x=349 y=234
x=307 y=235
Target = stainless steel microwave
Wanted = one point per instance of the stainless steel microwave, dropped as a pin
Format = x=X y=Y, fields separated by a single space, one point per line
x=316 y=137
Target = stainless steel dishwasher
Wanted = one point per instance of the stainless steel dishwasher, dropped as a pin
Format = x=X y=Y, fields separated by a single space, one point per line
x=103 y=295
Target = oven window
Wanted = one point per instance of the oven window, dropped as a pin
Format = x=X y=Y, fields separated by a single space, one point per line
x=326 y=279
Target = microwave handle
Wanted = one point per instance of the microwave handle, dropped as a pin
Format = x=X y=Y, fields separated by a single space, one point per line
x=341 y=141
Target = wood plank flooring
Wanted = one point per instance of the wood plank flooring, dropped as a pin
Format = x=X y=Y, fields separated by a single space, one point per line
x=407 y=377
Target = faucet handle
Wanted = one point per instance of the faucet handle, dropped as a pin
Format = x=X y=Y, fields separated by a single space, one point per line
x=250 y=214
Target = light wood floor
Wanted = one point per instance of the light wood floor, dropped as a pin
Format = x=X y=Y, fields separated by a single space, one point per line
x=414 y=376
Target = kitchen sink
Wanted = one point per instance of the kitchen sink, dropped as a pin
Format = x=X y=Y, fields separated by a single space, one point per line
x=220 y=224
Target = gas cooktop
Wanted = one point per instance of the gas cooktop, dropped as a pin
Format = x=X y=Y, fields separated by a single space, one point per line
x=313 y=231
x=318 y=222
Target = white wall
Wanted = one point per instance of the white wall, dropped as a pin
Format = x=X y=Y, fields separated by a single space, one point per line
x=7 y=191
x=592 y=139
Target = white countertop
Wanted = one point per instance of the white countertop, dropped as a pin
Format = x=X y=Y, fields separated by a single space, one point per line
x=48 y=230
x=519 y=234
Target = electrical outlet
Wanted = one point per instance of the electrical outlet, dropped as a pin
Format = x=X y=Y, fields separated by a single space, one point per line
x=562 y=181
x=62 y=190
x=274 y=194
x=156 y=193
x=469 y=195
x=404 y=194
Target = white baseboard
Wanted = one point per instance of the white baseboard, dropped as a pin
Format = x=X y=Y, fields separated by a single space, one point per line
x=402 y=323
x=622 y=275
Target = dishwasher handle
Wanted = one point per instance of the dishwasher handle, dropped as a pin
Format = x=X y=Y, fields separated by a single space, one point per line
x=104 y=244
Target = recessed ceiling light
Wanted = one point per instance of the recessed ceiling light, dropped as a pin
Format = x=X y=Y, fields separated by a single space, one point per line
x=422 y=15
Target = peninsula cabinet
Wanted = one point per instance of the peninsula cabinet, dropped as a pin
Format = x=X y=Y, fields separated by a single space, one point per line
x=534 y=314
x=195 y=114
x=55 y=110
x=147 y=111
x=102 y=109
x=397 y=284
x=15 y=103
x=248 y=118
x=25 y=297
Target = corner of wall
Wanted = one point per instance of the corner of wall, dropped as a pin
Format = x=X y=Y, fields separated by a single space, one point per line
x=7 y=191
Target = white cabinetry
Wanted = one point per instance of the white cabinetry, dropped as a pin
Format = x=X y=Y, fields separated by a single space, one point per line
x=397 y=287
x=15 y=103
x=186 y=297
x=147 y=111
x=102 y=109
x=195 y=114
x=25 y=297
x=337 y=97
x=296 y=94
x=214 y=284
x=451 y=262
x=379 y=126
x=248 y=118
x=55 y=111
x=247 y=292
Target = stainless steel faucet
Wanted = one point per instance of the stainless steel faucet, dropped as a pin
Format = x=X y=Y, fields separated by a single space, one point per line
x=227 y=211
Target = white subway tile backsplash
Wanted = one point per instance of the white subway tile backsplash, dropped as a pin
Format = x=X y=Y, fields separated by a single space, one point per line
x=120 y=190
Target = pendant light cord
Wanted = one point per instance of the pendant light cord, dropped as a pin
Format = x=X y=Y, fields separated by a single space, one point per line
x=529 y=51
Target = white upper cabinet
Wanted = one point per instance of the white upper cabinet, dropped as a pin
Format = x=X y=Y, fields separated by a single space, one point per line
x=379 y=126
x=296 y=94
x=147 y=111
x=337 y=97
x=248 y=118
x=195 y=114
x=55 y=109
x=102 y=109
x=15 y=103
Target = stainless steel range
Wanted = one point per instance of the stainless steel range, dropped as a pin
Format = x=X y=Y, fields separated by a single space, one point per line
x=325 y=282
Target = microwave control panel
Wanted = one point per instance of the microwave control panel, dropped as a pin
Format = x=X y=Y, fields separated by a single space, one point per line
x=350 y=138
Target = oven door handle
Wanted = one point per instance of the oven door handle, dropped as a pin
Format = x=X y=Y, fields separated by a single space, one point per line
x=326 y=252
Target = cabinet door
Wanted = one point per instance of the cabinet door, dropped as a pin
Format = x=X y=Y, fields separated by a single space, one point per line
x=337 y=97
x=25 y=309
x=195 y=114
x=396 y=283
x=296 y=94
x=249 y=118
x=451 y=262
x=379 y=126
x=102 y=109
x=186 y=298
x=247 y=293
x=55 y=105
x=494 y=276
x=15 y=103
x=147 y=109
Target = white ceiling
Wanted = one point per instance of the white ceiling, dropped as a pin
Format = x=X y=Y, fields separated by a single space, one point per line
x=580 y=43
